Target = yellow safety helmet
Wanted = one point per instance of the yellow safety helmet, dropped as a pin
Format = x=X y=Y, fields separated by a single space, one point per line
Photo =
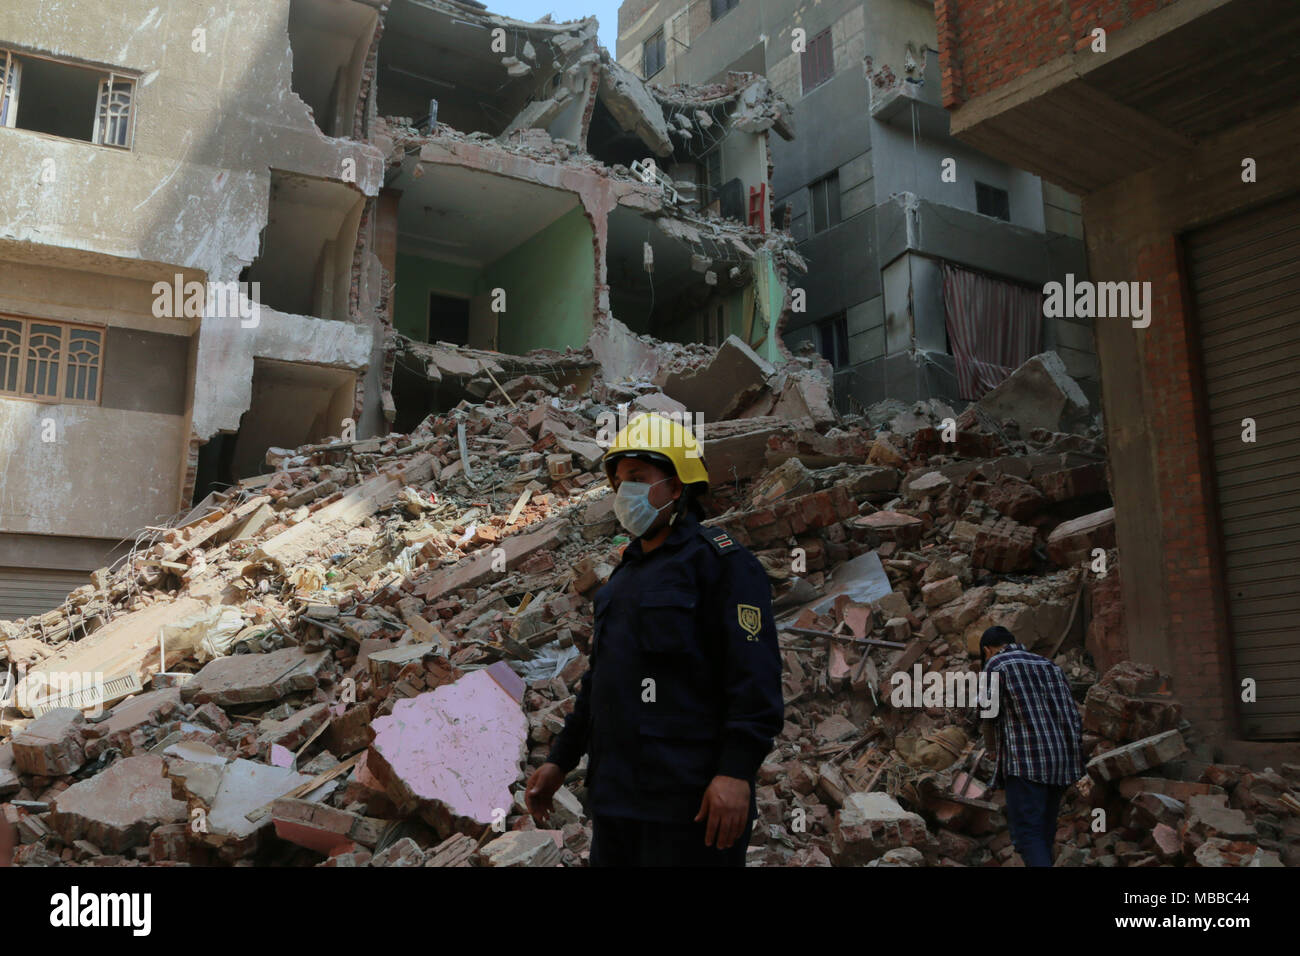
x=657 y=439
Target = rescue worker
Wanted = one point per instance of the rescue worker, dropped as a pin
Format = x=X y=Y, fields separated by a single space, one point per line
x=682 y=695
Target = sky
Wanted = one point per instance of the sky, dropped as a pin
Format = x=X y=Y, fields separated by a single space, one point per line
x=606 y=11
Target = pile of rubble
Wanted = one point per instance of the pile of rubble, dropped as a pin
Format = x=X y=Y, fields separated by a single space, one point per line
x=356 y=658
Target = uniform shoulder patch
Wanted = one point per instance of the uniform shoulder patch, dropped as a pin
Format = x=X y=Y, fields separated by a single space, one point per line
x=718 y=537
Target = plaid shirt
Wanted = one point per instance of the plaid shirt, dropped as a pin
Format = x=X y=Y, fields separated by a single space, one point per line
x=1038 y=724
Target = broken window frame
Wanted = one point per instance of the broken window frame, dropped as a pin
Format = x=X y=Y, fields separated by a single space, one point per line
x=817 y=62
x=73 y=366
x=11 y=63
x=11 y=72
x=123 y=120
x=656 y=43
x=829 y=201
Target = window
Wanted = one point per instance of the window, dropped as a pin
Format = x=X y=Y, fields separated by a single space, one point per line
x=824 y=202
x=817 y=62
x=652 y=56
x=992 y=201
x=720 y=8
x=50 y=361
x=64 y=99
x=833 y=339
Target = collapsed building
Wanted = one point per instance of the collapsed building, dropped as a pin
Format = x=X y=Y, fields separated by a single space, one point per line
x=399 y=516
x=247 y=226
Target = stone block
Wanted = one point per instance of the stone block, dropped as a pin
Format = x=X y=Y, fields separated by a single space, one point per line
x=118 y=808
x=250 y=678
x=51 y=745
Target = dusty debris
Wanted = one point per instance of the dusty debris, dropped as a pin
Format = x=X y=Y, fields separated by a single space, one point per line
x=308 y=705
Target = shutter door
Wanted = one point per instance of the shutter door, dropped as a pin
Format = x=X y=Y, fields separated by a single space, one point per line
x=1245 y=280
x=28 y=591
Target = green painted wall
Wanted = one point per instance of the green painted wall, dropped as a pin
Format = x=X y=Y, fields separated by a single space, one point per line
x=550 y=282
x=417 y=277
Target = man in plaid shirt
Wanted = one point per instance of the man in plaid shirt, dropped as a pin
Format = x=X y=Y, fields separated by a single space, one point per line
x=1038 y=733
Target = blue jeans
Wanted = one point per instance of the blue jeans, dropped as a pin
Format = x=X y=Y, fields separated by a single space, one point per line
x=1032 y=809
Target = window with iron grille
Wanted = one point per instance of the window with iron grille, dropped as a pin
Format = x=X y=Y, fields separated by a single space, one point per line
x=824 y=202
x=652 y=56
x=720 y=8
x=817 y=62
x=44 y=95
x=992 y=201
x=833 y=339
x=50 y=361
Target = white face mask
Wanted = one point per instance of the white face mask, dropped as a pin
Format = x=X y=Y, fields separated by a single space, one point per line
x=633 y=509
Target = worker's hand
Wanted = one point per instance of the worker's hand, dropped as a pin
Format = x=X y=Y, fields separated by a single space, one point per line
x=541 y=786
x=725 y=807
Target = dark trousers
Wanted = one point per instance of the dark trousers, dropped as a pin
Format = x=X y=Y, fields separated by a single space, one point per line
x=1032 y=809
x=618 y=841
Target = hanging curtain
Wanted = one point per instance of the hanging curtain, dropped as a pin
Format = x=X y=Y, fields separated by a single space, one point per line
x=993 y=327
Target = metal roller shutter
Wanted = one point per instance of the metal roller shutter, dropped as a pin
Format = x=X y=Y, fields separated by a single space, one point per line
x=1245 y=280
x=28 y=591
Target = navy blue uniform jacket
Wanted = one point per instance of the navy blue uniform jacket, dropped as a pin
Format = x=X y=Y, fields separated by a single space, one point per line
x=684 y=678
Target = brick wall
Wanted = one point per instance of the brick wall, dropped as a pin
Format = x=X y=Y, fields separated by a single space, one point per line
x=1199 y=649
x=983 y=45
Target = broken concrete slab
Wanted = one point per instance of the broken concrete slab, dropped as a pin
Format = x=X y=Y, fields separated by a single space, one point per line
x=51 y=745
x=451 y=754
x=1073 y=541
x=871 y=824
x=457 y=850
x=292 y=731
x=1220 y=852
x=228 y=792
x=126 y=725
x=118 y=808
x=632 y=106
x=1132 y=759
x=478 y=568
x=623 y=355
x=524 y=848
x=724 y=387
x=1039 y=394
x=128 y=644
x=302 y=542
x=249 y=678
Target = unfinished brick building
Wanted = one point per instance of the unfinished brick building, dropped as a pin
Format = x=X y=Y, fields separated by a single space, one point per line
x=1177 y=122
